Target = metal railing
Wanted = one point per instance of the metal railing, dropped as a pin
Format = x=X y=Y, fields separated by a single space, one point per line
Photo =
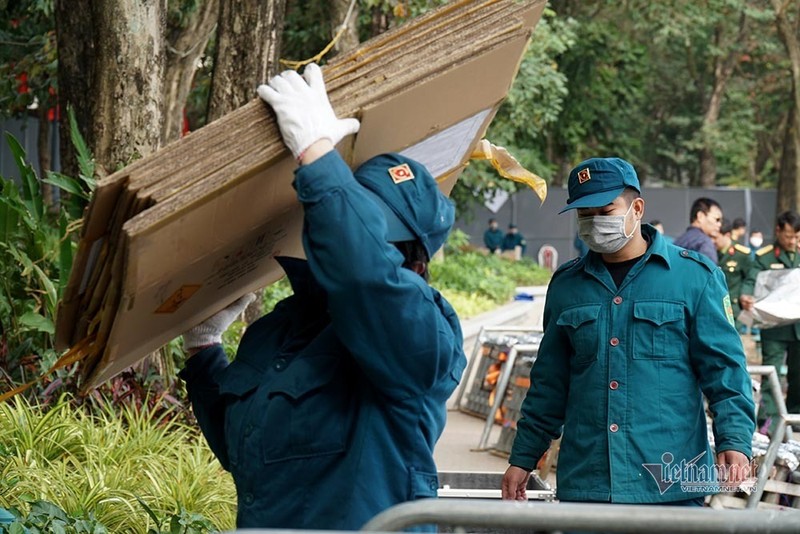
x=783 y=431
x=582 y=517
x=467 y=379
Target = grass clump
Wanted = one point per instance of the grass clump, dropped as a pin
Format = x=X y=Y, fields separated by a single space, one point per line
x=118 y=469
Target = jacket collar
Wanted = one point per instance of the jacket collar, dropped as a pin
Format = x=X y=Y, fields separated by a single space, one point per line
x=300 y=277
x=657 y=250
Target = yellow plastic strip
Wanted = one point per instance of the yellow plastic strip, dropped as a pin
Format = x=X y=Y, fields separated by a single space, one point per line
x=508 y=167
x=75 y=354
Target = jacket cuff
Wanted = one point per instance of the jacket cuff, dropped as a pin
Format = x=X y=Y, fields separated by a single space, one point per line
x=733 y=443
x=317 y=179
x=205 y=363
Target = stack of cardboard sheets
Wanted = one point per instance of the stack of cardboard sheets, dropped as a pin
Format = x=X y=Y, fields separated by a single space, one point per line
x=180 y=234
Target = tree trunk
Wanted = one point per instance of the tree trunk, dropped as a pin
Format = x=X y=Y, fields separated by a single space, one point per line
x=339 y=17
x=75 y=38
x=723 y=70
x=248 y=49
x=111 y=66
x=789 y=171
x=185 y=47
x=789 y=175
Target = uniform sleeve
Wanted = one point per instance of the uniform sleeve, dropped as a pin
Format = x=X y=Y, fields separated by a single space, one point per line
x=384 y=314
x=542 y=412
x=203 y=392
x=749 y=283
x=717 y=356
x=707 y=248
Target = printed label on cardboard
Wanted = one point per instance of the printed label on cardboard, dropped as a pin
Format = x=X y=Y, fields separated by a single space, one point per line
x=177 y=299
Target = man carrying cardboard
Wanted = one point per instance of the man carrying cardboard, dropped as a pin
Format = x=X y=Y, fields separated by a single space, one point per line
x=330 y=411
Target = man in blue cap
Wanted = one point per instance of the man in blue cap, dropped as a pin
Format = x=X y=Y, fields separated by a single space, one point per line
x=330 y=411
x=636 y=332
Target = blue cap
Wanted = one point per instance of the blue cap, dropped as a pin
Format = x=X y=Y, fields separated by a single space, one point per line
x=596 y=182
x=410 y=199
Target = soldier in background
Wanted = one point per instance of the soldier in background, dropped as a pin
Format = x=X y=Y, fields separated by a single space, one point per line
x=734 y=260
x=780 y=341
x=493 y=237
x=738 y=230
x=514 y=241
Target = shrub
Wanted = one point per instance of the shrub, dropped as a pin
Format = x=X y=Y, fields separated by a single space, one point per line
x=123 y=468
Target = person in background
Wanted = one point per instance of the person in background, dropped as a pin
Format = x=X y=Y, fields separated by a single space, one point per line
x=705 y=221
x=330 y=411
x=780 y=342
x=734 y=260
x=738 y=230
x=658 y=225
x=756 y=239
x=493 y=237
x=514 y=241
x=636 y=334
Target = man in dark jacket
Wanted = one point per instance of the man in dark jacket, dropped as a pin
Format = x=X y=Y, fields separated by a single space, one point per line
x=705 y=222
x=493 y=237
x=331 y=409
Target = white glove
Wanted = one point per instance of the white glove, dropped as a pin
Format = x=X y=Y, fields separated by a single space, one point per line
x=304 y=112
x=210 y=331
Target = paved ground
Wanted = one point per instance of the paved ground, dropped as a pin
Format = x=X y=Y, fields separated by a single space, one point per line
x=455 y=450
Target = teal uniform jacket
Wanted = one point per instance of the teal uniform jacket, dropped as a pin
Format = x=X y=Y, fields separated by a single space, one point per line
x=511 y=241
x=772 y=257
x=493 y=239
x=624 y=371
x=330 y=411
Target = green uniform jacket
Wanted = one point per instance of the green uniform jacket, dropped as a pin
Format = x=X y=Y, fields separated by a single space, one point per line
x=735 y=263
x=624 y=371
x=772 y=257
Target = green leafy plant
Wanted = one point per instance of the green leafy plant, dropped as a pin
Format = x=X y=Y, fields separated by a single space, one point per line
x=127 y=468
x=475 y=282
x=36 y=253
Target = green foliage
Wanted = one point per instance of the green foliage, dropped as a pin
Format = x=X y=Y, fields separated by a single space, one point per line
x=28 y=61
x=474 y=281
x=534 y=104
x=36 y=252
x=118 y=469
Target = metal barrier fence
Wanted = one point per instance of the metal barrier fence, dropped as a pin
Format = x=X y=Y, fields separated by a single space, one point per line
x=582 y=517
x=782 y=431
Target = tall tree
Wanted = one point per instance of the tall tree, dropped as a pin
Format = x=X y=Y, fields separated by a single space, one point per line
x=789 y=174
x=110 y=70
x=248 y=50
x=190 y=25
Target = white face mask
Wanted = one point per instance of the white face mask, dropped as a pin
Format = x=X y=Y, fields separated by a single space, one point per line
x=756 y=241
x=605 y=234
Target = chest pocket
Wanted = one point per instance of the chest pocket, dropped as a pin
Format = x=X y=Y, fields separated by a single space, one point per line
x=582 y=326
x=659 y=330
x=309 y=411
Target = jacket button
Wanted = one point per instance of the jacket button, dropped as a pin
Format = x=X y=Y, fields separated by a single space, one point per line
x=434 y=486
x=614 y=341
x=280 y=364
x=617 y=300
x=684 y=253
x=614 y=427
x=613 y=384
x=248 y=498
